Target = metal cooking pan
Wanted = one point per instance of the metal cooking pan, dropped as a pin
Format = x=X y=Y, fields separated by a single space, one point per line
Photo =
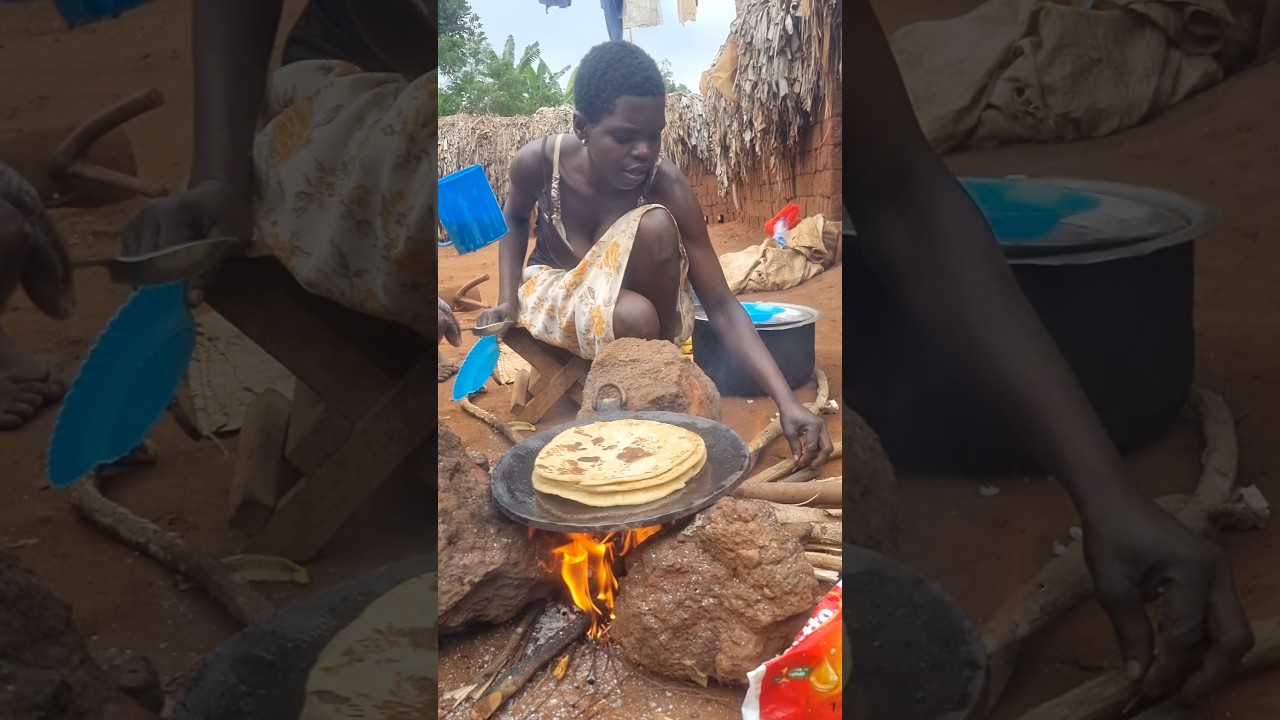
x=512 y=483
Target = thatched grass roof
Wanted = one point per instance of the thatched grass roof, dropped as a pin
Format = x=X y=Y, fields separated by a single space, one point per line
x=491 y=140
x=788 y=71
x=787 y=68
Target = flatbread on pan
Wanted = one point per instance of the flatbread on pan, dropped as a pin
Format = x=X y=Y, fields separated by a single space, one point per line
x=384 y=664
x=616 y=451
x=638 y=496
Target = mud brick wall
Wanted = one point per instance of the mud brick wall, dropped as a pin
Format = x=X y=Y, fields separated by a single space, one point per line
x=813 y=181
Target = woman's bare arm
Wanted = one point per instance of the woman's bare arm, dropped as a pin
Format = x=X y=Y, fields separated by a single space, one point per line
x=232 y=42
x=526 y=178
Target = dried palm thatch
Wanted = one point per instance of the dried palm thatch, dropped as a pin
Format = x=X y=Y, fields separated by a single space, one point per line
x=492 y=140
x=787 y=73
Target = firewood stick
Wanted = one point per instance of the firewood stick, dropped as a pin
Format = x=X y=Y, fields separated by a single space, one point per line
x=826 y=576
x=788 y=466
x=1064 y=582
x=515 y=678
x=823 y=561
x=462 y=291
x=799 y=476
x=236 y=596
x=514 y=643
x=818 y=492
x=492 y=421
x=773 y=430
x=111 y=178
x=1104 y=697
x=76 y=146
x=827 y=532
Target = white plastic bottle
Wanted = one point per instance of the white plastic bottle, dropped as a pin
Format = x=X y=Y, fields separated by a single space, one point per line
x=780 y=232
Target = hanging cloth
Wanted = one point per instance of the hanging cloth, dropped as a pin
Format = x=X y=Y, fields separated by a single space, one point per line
x=641 y=13
x=556 y=3
x=686 y=10
x=612 y=18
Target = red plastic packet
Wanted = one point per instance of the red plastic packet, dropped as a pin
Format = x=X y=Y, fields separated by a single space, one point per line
x=803 y=683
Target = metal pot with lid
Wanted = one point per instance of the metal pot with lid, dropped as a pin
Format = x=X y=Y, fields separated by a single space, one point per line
x=788 y=332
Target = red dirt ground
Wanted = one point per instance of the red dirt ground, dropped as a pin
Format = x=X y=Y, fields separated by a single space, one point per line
x=1214 y=147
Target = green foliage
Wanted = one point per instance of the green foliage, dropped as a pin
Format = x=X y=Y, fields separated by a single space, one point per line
x=504 y=84
x=668 y=78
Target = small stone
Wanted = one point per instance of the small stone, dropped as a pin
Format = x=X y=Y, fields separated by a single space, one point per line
x=988 y=491
x=1076 y=533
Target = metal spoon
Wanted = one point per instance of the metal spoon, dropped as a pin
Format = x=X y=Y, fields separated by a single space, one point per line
x=172 y=264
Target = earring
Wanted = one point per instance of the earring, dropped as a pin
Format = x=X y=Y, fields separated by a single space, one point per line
x=582 y=140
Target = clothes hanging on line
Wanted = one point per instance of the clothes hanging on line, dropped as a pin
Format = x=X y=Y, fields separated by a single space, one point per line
x=686 y=10
x=556 y=3
x=641 y=13
x=612 y=18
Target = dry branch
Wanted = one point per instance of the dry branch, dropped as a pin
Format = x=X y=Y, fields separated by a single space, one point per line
x=515 y=678
x=492 y=421
x=1104 y=697
x=1064 y=582
x=236 y=596
x=514 y=643
x=773 y=430
x=818 y=492
x=69 y=158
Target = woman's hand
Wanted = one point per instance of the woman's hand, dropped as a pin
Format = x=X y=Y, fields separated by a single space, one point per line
x=1138 y=553
x=806 y=433
x=210 y=209
x=447 y=324
x=500 y=313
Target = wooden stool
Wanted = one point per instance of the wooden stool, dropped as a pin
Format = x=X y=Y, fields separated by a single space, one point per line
x=556 y=373
x=364 y=390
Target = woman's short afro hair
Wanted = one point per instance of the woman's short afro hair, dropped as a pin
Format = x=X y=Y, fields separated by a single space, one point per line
x=611 y=70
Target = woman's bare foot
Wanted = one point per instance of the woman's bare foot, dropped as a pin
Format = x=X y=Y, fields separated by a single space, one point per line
x=25 y=387
x=446 y=368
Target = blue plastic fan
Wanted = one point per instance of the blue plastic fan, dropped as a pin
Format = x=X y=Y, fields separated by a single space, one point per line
x=82 y=12
x=125 y=384
x=476 y=368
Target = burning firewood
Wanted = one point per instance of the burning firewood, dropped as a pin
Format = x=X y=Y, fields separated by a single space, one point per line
x=518 y=676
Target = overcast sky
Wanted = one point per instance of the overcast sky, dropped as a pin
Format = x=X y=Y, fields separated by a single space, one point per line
x=566 y=34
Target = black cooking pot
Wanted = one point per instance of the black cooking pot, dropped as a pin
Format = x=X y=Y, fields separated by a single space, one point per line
x=789 y=337
x=1120 y=311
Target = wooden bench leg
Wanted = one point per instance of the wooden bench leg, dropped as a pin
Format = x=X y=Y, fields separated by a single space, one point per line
x=260 y=466
x=557 y=387
x=317 y=507
x=316 y=431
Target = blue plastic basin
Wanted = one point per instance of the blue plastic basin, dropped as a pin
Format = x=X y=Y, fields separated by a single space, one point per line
x=469 y=210
x=1025 y=211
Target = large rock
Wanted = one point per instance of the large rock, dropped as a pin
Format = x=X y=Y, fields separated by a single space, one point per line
x=870 y=488
x=489 y=567
x=714 y=601
x=655 y=375
x=45 y=667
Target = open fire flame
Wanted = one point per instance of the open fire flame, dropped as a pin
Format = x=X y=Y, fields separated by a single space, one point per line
x=586 y=565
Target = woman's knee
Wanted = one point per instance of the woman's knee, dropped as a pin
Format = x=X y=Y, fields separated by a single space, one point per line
x=634 y=316
x=659 y=236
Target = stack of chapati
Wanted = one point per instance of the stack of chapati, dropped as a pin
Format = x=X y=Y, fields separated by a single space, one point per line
x=619 y=462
